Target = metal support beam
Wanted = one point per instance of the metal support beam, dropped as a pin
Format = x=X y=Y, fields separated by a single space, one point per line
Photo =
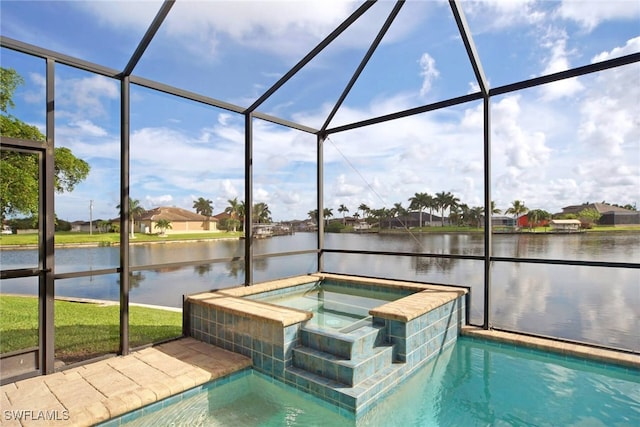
x=567 y=74
x=320 y=200
x=488 y=212
x=376 y=42
x=125 y=214
x=248 y=199
x=469 y=45
x=304 y=61
x=59 y=58
x=47 y=227
x=148 y=36
x=406 y=113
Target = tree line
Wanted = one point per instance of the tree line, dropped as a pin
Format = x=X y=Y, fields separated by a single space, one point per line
x=449 y=207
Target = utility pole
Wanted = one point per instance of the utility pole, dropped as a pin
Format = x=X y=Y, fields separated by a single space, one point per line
x=90 y=217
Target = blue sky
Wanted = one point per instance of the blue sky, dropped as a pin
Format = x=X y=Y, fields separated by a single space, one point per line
x=560 y=144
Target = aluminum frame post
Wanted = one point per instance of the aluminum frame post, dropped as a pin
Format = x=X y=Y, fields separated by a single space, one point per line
x=47 y=226
x=125 y=213
x=248 y=197
x=488 y=234
x=320 y=200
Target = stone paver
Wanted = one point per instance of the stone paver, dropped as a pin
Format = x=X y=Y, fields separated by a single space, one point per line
x=96 y=392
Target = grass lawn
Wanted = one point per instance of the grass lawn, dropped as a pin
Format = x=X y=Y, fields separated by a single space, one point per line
x=82 y=330
x=107 y=239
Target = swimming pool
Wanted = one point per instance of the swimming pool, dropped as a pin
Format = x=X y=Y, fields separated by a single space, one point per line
x=471 y=383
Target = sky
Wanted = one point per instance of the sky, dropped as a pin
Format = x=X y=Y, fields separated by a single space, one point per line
x=560 y=144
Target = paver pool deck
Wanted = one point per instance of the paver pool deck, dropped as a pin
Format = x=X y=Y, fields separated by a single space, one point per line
x=93 y=393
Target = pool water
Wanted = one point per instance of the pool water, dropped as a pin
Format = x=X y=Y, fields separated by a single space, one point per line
x=251 y=399
x=474 y=383
x=334 y=306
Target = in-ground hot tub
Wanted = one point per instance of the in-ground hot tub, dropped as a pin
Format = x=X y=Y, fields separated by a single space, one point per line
x=348 y=340
x=334 y=304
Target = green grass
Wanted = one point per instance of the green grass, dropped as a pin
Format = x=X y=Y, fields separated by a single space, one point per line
x=107 y=239
x=82 y=330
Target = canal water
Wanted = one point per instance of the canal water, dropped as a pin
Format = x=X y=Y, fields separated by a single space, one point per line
x=591 y=304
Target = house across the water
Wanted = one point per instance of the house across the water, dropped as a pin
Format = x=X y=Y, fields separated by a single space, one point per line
x=182 y=221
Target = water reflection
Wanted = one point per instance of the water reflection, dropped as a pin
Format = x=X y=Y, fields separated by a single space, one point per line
x=600 y=305
x=568 y=301
x=426 y=265
x=202 y=269
x=135 y=279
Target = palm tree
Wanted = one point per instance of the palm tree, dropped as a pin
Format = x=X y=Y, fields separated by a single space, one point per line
x=365 y=209
x=476 y=214
x=242 y=213
x=104 y=226
x=445 y=200
x=430 y=203
x=203 y=206
x=386 y=214
x=163 y=225
x=535 y=216
x=419 y=202
x=327 y=213
x=343 y=209
x=397 y=211
x=517 y=208
x=135 y=210
x=460 y=214
x=232 y=210
x=261 y=213
x=495 y=210
x=313 y=215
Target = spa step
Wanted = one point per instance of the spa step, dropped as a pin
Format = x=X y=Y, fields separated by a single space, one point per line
x=346 y=371
x=344 y=344
x=348 y=397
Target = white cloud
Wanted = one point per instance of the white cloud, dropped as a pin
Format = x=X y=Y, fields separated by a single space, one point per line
x=85 y=97
x=493 y=15
x=156 y=201
x=287 y=198
x=523 y=148
x=557 y=61
x=428 y=72
x=88 y=128
x=224 y=118
x=607 y=136
x=116 y=13
x=341 y=187
x=631 y=46
x=609 y=120
x=591 y=14
x=228 y=190
x=284 y=28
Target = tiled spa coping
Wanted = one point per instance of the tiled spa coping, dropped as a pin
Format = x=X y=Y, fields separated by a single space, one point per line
x=425 y=299
x=584 y=352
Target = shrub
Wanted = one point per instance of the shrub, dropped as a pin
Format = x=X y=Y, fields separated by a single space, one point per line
x=334 y=227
